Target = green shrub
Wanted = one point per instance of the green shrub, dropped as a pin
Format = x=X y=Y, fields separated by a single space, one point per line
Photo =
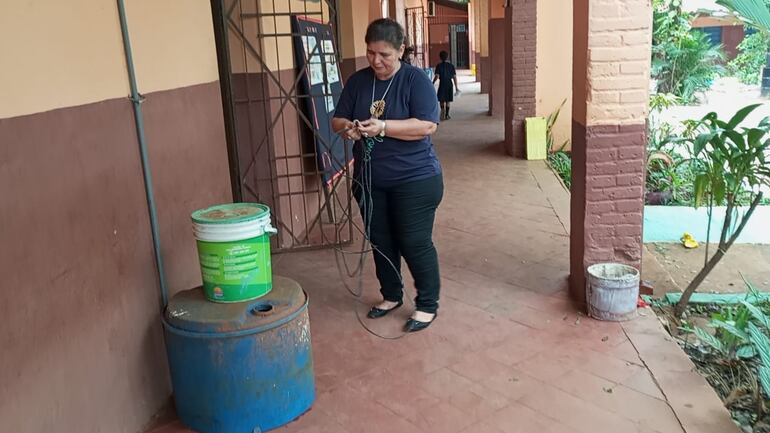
x=559 y=159
x=747 y=66
x=684 y=62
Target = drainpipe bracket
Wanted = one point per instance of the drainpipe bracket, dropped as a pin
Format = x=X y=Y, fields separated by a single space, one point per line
x=138 y=99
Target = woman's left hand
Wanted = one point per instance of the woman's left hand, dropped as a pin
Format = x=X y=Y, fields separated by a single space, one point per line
x=371 y=127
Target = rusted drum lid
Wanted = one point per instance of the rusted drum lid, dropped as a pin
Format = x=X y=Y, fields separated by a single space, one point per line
x=191 y=311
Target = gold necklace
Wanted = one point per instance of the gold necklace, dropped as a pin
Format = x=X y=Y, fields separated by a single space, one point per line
x=377 y=109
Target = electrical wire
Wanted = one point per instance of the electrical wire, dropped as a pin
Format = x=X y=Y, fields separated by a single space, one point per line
x=366 y=205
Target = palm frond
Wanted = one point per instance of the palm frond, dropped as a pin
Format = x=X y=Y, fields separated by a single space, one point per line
x=753 y=12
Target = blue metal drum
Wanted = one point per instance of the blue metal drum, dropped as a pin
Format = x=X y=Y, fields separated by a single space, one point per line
x=240 y=368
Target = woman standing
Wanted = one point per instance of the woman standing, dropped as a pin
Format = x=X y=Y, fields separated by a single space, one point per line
x=390 y=110
x=445 y=72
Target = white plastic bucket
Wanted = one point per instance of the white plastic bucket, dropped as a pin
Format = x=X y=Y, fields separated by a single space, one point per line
x=234 y=232
x=612 y=291
x=234 y=251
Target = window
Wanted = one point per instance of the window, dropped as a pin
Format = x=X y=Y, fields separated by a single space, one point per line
x=714 y=34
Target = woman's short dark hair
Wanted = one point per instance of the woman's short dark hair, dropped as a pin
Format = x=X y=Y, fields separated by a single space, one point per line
x=386 y=30
x=443 y=55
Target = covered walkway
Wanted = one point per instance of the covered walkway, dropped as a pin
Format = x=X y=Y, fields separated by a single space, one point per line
x=508 y=352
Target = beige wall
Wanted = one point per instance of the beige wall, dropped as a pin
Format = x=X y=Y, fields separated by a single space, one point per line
x=554 y=64
x=475 y=16
x=348 y=48
x=472 y=31
x=277 y=51
x=416 y=3
x=73 y=54
x=496 y=9
x=476 y=28
x=240 y=63
x=484 y=27
x=399 y=9
x=579 y=68
x=611 y=63
x=173 y=43
x=619 y=64
x=354 y=18
x=58 y=64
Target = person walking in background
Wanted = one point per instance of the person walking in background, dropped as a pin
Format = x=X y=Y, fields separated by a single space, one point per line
x=446 y=74
x=408 y=56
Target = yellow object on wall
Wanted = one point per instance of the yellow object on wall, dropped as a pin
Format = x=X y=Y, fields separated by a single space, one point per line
x=536 y=137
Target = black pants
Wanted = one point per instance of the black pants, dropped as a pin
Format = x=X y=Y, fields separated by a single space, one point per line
x=401 y=225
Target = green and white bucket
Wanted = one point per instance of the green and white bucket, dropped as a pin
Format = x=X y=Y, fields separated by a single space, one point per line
x=234 y=251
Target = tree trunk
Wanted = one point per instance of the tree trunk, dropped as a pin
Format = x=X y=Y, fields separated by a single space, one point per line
x=708 y=230
x=721 y=251
x=765 y=78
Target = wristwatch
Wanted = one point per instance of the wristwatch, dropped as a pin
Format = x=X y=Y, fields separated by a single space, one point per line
x=382 y=132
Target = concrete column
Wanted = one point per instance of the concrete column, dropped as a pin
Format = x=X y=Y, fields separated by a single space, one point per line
x=495 y=74
x=611 y=52
x=375 y=9
x=483 y=65
x=521 y=71
x=472 y=34
x=496 y=67
x=477 y=24
x=353 y=23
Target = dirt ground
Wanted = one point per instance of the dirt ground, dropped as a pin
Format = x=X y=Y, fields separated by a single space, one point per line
x=726 y=96
x=670 y=267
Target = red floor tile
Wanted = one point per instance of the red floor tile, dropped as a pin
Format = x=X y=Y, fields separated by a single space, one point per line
x=443 y=417
x=477 y=367
x=517 y=418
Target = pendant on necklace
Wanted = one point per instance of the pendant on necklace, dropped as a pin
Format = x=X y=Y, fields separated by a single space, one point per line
x=377 y=108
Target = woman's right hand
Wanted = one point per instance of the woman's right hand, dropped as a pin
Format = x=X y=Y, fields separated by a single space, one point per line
x=351 y=132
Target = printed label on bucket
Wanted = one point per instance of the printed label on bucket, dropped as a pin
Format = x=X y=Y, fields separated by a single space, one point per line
x=235 y=271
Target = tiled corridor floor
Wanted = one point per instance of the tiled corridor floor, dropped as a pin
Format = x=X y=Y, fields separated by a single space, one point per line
x=508 y=352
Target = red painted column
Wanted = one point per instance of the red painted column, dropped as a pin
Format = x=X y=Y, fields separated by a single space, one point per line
x=611 y=52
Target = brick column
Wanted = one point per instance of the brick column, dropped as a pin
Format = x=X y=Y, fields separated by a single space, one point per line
x=611 y=50
x=520 y=65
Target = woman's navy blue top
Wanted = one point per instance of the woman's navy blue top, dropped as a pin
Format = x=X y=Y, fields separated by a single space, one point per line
x=411 y=95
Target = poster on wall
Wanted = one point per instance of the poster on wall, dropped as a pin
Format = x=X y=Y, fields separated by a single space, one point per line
x=314 y=52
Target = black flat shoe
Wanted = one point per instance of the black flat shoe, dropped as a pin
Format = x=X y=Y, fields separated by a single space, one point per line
x=415 y=325
x=376 y=313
